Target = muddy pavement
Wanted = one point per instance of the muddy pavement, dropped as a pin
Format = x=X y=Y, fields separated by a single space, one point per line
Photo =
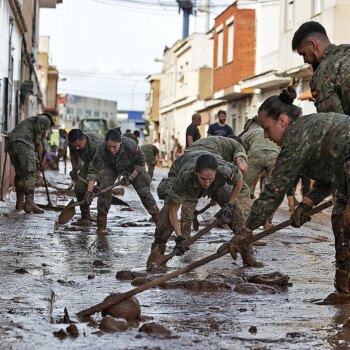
x=46 y=268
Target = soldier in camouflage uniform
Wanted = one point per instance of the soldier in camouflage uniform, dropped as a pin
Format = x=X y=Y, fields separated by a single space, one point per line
x=151 y=153
x=230 y=151
x=317 y=145
x=24 y=145
x=82 y=148
x=192 y=176
x=119 y=155
x=330 y=84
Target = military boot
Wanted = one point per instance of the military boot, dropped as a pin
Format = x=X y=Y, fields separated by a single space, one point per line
x=20 y=200
x=161 y=247
x=101 y=225
x=341 y=281
x=85 y=216
x=30 y=206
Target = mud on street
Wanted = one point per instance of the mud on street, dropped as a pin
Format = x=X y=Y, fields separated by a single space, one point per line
x=46 y=268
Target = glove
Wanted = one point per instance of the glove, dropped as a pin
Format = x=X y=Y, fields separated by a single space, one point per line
x=234 y=246
x=127 y=180
x=88 y=197
x=73 y=174
x=179 y=246
x=299 y=217
x=225 y=214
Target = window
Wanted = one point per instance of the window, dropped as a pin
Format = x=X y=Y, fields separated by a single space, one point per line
x=70 y=111
x=219 y=58
x=289 y=14
x=97 y=114
x=79 y=112
x=230 y=43
x=88 y=113
x=317 y=7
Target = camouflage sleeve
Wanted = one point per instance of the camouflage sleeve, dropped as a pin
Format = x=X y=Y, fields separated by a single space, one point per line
x=140 y=159
x=240 y=152
x=319 y=192
x=42 y=125
x=289 y=164
x=230 y=172
x=95 y=165
x=177 y=194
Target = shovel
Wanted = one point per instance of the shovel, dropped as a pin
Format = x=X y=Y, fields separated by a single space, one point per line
x=69 y=211
x=195 y=223
x=157 y=281
x=115 y=200
x=156 y=259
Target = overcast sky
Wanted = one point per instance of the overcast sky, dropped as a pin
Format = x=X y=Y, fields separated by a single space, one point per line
x=106 y=48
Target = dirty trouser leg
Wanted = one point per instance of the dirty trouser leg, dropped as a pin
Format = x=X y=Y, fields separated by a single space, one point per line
x=163 y=230
x=222 y=197
x=187 y=215
x=106 y=177
x=24 y=160
x=244 y=199
x=141 y=185
x=80 y=189
x=342 y=249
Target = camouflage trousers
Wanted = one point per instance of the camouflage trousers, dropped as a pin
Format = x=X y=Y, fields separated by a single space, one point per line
x=151 y=163
x=265 y=162
x=221 y=196
x=25 y=161
x=80 y=187
x=141 y=184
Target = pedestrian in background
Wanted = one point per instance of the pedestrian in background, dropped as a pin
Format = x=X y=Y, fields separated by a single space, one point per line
x=220 y=128
x=330 y=83
x=25 y=147
x=192 y=131
x=151 y=153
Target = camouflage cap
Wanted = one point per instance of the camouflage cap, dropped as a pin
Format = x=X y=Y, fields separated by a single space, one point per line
x=50 y=116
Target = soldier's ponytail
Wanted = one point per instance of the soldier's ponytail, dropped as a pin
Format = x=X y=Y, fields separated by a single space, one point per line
x=275 y=105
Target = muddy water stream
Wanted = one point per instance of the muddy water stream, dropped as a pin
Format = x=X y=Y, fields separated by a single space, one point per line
x=46 y=268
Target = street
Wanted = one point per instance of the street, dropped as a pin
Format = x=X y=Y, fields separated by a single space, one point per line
x=47 y=267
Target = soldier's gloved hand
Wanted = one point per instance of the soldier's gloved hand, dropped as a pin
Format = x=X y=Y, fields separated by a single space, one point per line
x=180 y=246
x=234 y=246
x=127 y=180
x=73 y=174
x=96 y=189
x=299 y=217
x=225 y=214
x=88 y=197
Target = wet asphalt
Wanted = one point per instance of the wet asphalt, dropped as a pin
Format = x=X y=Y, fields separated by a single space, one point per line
x=46 y=267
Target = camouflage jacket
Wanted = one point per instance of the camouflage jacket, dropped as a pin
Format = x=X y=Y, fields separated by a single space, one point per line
x=226 y=148
x=184 y=184
x=150 y=151
x=330 y=84
x=128 y=158
x=254 y=142
x=315 y=145
x=88 y=153
x=31 y=131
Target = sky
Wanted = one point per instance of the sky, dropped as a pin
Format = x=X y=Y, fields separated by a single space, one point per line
x=107 y=48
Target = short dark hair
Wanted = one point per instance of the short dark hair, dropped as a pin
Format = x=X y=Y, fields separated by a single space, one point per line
x=221 y=112
x=206 y=161
x=275 y=105
x=196 y=116
x=305 y=30
x=113 y=135
x=74 y=135
x=136 y=133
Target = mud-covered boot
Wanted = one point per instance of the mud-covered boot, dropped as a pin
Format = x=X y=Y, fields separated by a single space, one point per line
x=85 y=216
x=291 y=203
x=161 y=247
x=101 y=225
x=341 y=281
x=20 y=200
x=30 y=206
x=247 y=254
